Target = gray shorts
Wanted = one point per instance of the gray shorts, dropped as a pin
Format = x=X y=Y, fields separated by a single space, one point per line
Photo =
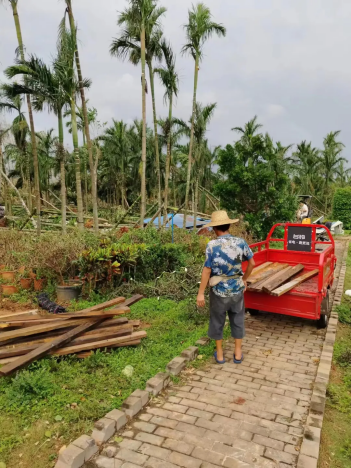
x=235 y=307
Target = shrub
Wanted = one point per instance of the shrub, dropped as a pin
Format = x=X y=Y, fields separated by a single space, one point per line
x=344 y=313
x=342 y=206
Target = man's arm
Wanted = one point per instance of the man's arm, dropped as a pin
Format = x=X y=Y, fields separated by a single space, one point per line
x=205 y=277
x=250 y=267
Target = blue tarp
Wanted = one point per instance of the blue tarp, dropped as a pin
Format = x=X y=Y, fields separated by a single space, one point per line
x=178 y=221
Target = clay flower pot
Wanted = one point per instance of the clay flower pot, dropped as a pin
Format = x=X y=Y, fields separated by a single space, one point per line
x=26 y=283
x=39 y=284
x=2 y=267
x=8 y=290
x=32 y=275
x=8 y=276
x=70 y=291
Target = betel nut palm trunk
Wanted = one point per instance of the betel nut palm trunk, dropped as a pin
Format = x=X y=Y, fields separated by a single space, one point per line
x=191 y=143
x=93 y=171
x=31 y=122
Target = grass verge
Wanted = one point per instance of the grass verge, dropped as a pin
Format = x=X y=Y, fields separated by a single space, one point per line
x=56 y=400
x=336 y=433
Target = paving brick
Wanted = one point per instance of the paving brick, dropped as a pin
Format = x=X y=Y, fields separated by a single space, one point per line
x=175 y=366
x=153 y=451
x=156 y=384
x=184 y=460
x=194 y=404
x=150 y=438
x=130 y=444
x=164 y=422
x=144 y=426
x=277 y=455
x=175 y=407
x=72 y=456
x=87 y=444
x=178 y=446
x=267 y=442
x=157 y=463
x=105 y=462
x=208 y=456
x=131 y=406
x=119 y=417
x=142 y=394
x=169 y=433
x=307 y=462
x=199 y=413
x=132 y=457
x=145 y=417
x=173 y=399
x=291 y=449
x=104 y=430
x=187 y=395
x=190 y=353
x=287 y=438
x=191 y=429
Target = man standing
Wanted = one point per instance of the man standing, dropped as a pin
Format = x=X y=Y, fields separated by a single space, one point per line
x=223 y=272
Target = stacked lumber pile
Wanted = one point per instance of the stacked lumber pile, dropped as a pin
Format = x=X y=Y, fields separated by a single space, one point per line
x=26 y=338
x=277 y=279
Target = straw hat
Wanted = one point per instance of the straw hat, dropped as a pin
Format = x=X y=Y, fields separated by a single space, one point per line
x=220 y=218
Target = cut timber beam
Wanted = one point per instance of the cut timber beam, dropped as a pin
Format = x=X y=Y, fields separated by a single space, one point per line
x=257 y=287
x=266 y=273
x=292 y=284
x=44 y=349
x=101 y=344
x=279 y=279
x=87 y=337
x=261 y=267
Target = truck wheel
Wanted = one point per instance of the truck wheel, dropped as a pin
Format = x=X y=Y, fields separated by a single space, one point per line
x=323 y=321
x=325 y=306
x=252 y=312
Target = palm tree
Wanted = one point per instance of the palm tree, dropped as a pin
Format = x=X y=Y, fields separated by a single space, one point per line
x=198 y=126
x=47 y=147
x=13 y=4
x=170 y=80
x=52 y=88
x=82 y=85
x=330 y=160
x=199 y=29
x=118 y=146
x=141 y=42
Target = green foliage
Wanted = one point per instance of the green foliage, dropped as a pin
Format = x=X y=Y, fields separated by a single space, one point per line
x=344 y=313
x=342 y=206
x=255 y=183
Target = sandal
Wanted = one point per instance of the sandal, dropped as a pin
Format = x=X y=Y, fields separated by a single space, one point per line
x=217 y=361
x=237 y=361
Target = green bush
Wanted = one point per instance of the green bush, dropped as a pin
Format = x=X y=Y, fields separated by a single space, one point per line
x=342 y=206
x=159 y=258
x=344 y=313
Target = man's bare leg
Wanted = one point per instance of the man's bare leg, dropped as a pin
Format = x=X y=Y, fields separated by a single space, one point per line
x=237 y=349
x=219 y=346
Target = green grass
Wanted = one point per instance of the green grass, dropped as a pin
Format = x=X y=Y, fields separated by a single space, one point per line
x=36 y=413
x=336 y=434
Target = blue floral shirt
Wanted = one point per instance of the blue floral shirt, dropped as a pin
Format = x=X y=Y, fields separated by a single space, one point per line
x=224 y=256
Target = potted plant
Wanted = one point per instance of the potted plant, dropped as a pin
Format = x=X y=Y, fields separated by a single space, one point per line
x=39 y=280
x=25 y=280
x=9 y=289
x=7 y=275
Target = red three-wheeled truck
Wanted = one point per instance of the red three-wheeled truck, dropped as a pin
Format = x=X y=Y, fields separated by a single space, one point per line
x=299 y=245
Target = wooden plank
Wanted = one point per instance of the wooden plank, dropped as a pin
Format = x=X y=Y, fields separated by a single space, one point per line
x=32 y=312
x=261 y=267
x=272 y=270
x=102 y=313
x=292 y=284
x=9 y=335
x=93 y=335
x=45 y=348
x=286 y=275
x=258 y=286
x=42 y=337
x=259 y=274
x=102 y=344
x=27 y=331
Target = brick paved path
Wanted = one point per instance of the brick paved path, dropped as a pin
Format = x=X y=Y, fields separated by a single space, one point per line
x=236 y=416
